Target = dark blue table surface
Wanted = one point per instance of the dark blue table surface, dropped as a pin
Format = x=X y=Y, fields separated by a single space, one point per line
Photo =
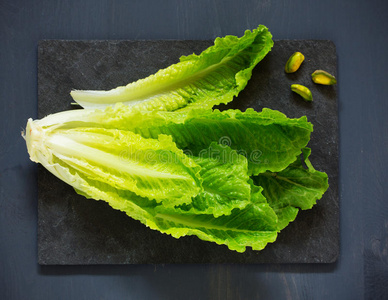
x=359 y=30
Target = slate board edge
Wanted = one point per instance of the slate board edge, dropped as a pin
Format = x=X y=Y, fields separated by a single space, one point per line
x=42 y=43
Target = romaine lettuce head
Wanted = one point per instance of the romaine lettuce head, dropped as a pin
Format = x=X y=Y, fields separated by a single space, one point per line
x=157 y=169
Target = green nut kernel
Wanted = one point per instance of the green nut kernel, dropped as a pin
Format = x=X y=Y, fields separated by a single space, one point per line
x=302 y=91
x=322 y=77
x=294 y=62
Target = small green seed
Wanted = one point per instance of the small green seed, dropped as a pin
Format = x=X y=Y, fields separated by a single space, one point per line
x=294 y=62
x=322 y=77
x=302 y=91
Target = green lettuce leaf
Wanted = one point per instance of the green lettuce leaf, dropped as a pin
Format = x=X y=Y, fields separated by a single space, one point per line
x=225 y=182
x=299 y=186
x=153 y=168
x=268 y=139
x=215 y=76
x=254 y=226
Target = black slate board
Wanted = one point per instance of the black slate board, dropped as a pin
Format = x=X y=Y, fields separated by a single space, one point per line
x=75 y=230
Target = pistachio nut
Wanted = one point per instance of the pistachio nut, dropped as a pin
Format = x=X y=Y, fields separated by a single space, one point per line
x=322 y=77
x=294 y=62
x=302 y=91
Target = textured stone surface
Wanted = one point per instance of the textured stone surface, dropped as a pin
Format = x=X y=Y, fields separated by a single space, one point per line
x=76 y=230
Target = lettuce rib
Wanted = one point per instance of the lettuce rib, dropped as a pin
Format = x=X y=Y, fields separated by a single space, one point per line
x=153 y=168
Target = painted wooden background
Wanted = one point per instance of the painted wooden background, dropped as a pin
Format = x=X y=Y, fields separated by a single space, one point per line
x=358 y=28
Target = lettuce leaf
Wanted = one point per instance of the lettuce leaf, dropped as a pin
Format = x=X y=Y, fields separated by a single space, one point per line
x=225 y=183
x=215 y=76
x=299 y=186
x=254 y=226
x=268 y=139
